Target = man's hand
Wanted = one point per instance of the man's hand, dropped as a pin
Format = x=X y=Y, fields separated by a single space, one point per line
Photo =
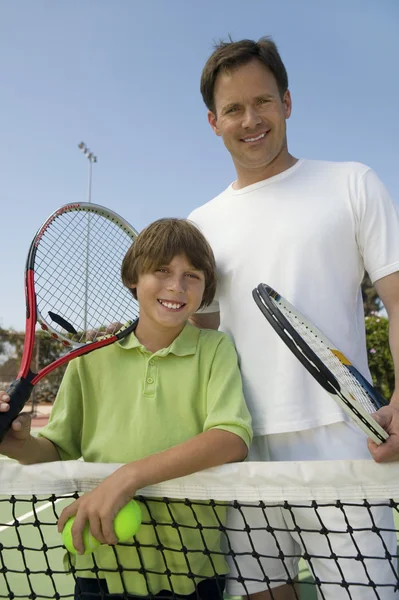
x=99 y=507
x=388 y=418
x=19 y=432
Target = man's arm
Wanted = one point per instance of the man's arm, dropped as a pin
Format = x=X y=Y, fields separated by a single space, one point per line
x=388 y=290
x=206 y=320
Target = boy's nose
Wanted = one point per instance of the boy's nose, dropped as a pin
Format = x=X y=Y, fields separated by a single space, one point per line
x=176 y=284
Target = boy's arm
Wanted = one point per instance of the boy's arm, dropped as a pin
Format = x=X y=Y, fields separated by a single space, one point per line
x=20 y=445
x=60 y=438
x=99 y=507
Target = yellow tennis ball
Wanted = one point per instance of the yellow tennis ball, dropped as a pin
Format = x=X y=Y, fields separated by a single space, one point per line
x=126 y=524
x=90 y=542
x=127 y=521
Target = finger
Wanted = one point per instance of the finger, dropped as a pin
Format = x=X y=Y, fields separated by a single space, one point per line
x=77 y=531
x=22 y=423
x=114 y=327
x=91 y=335
x=4 y=402
x=69 y=511
x=386 y=452
x=96 y=529
x=107 y=526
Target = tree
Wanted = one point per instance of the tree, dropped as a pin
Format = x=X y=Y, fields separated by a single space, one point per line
x=379 y=355
x=371 y=301
x=46 y=351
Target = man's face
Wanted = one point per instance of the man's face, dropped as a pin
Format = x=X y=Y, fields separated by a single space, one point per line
x=251 y=117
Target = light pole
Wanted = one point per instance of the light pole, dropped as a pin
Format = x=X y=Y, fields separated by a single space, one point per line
x=92 y=159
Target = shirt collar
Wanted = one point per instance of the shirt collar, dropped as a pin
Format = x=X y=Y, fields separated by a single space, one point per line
x=184 y=345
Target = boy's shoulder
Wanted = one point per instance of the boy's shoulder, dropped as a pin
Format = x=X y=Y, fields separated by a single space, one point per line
x=212 y=335
x=211 y=338
x=194 y=340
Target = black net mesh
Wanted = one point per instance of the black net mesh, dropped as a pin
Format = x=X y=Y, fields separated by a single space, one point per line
x=325 y=530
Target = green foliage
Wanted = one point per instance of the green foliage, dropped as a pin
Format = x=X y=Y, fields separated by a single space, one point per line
x=379 y=356
x=46 y=351
x=371 y=301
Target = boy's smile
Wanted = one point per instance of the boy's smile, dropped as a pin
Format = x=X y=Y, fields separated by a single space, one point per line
x=167 y=296
x=171 y=305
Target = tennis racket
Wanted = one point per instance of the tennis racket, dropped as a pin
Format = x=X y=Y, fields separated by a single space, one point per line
x=334 y=372
x=73 y=286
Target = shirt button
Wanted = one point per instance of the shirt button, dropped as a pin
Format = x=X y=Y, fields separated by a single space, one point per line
x=150 y=380
x=152 y=362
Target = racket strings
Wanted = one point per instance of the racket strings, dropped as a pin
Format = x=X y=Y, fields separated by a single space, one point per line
x=331 y=361
x=77 y=274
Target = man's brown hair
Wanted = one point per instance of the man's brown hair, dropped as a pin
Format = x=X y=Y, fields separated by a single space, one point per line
x=230 y=55
x=159 y=243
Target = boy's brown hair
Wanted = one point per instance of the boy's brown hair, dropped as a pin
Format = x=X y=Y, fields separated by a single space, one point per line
x=159 y=243
x=231 y=55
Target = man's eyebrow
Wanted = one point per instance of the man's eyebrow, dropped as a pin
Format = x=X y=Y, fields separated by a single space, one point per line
x=230 y=105
x=265 y=95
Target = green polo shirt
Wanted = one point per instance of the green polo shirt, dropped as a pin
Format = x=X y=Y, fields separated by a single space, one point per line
x=122 y=403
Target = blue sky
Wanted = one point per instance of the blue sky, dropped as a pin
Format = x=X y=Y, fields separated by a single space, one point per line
x=123 y=76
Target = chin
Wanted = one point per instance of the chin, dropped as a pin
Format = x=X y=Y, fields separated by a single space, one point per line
x=173 y=323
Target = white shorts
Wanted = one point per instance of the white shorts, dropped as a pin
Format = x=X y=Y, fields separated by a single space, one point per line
x=296 y=530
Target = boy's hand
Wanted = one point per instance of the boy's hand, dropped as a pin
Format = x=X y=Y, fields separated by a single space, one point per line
x=19 y=432
x=99 y=507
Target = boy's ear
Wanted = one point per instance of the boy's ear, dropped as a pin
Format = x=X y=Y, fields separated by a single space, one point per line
x=133 y=288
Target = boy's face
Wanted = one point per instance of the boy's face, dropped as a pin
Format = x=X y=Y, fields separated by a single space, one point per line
x=169 y=295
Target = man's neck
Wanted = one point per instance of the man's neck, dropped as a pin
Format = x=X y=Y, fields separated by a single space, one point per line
x=247 y=177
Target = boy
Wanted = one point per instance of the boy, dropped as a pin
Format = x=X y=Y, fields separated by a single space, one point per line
x=167 y=401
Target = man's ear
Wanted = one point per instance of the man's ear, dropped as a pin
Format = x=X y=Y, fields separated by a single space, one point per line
x=212 y=120
x=287 y=104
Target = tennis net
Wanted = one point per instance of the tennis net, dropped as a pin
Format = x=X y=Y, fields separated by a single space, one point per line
x=334 y=517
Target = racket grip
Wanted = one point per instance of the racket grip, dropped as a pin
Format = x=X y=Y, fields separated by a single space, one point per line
x=19 y=392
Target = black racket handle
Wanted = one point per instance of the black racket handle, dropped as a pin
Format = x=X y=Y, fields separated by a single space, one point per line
x=19 y=392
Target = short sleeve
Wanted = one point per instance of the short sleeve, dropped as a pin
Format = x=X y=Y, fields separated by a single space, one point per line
x=377 y=227
x=226 y=407
x=65 y=423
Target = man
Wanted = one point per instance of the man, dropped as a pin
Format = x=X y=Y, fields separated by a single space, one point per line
x=309 y=229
